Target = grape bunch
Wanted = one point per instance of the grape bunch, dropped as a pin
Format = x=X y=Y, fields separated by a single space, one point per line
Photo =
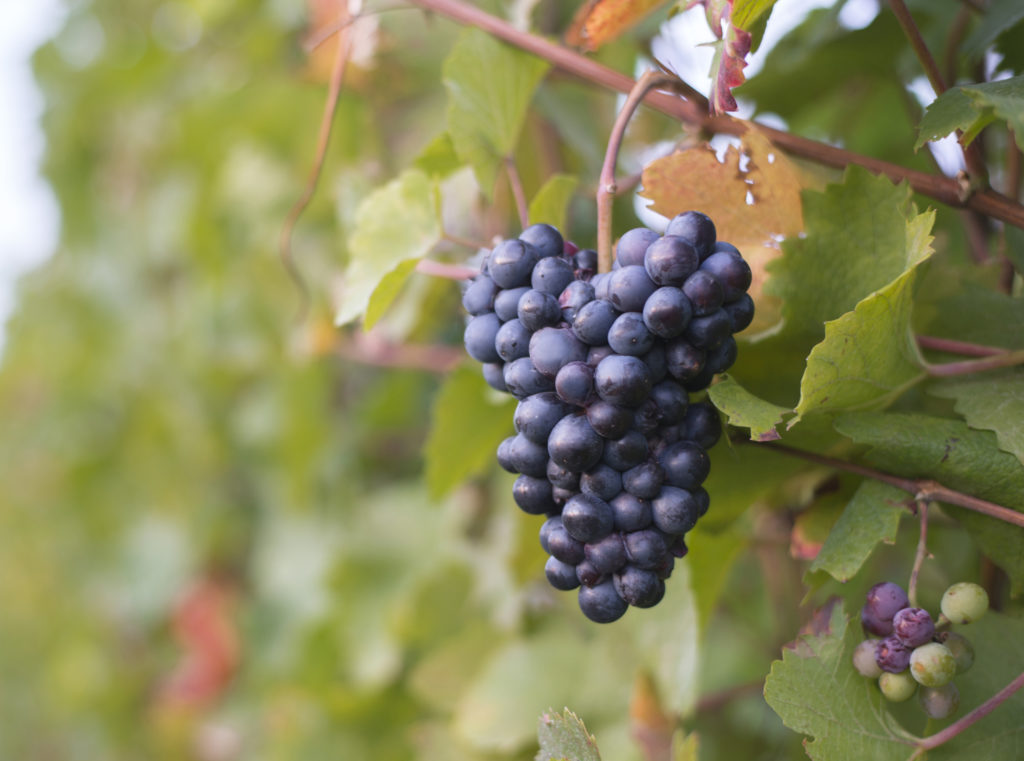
x=609 y=446
x=912 y=650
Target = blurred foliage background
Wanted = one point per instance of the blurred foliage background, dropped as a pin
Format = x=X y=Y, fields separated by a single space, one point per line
x=215 y=537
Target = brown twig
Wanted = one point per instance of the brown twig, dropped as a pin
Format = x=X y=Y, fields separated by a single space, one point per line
x=606 y=187
x=917 y=42
x=944 y=189
x=448 y=271
x=323 y=140
x=951 y=346
x=968 y=366
x=476 y=245
x=920 y=488
x=516 y=183
x=922 y=551
x=371 y=349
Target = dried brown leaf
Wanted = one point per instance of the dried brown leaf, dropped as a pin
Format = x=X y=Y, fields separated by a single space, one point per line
x=600 y=21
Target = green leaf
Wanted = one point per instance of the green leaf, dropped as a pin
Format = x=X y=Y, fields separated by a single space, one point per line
x=971 y=107
x=872 y=516
x=869 y=356
x=438 y=158
x=563 y=736
x=490 y=86
x=1015 y=246
x=971 y=312
x=919 y=446
x=816 y=691
x=746 y=12
x=467 y=424
x=710 y=558
x=395 y=225
x=999 y=16
x=746 y=410
x=551 y=204
x=993 y=402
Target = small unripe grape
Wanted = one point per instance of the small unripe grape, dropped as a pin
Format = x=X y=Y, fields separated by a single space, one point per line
x=897 y=687
x=864 y=659
x=960 y=647
x=964 y=602
x=939 y=702
x=932 y=665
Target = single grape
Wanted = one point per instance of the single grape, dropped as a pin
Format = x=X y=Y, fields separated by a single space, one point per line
x=939 y=702
x=602 y=481
x=494 y=374
x=696 y=228
x=601 y=282
x=632 y=245
x=644 y=480
x=574 y=383
x=667 y=312
x=585 y=262
x=538 y=310
x=646 y=548
x=528 y=457
x=674 y=510
x=607 y=555
x=622 y=380
x=593 y=321
x=572 y=299
x=672 y=401
x=536 y=415
x=597 y=353
x=523 y=379
x=731 y=271
x=512 y=340
x=533 y=495
x=960 y=647
x=588 y=575
x=707 y=332
x=647 y=417
x=892 y=655
x=562 y=477
x=864 y=659
x=740 y=312
x=670 y=260
x=629 y=288
x=626 y=452
x=656 y=363
x=703 y=424
x=505 y=459
x=552 y=275
x=629 y=335
x=721 y=357
x=897 y=687
x=562 y=545
x=546 y=529
x=561 y=575
x=913 y=626
x=686 y=465
x=479 y=337
x=587 y=518
x=638 y=587
x=704 y=293
x=601 y=603
x=551 y=349
x=544 y=238
x=964 y=602
x=882 y=602
x=574 y=444
x=511 y=262
x=479 y=296
x=609 y=420
x=630 y=513
x=683 y=359
x=721 y=245
x=703 y=500
x=506 y=303
x=932 y=665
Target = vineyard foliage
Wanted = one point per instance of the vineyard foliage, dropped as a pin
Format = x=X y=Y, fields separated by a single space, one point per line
x=234 y=528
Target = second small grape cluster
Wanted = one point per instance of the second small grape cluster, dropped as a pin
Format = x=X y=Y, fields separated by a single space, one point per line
x=608 y=444
x=914 y=653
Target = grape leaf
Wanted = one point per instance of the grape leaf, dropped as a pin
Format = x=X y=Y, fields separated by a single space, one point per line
x=564 y=736
x=396 y=224
x=994 y=402
x=746 y=410
x=872 y=516
x=438 y=158
x=920 y=446
x=467 y=426
x=968 y=311
x=489 y=86
x=999 y=16
x=710 y=559
x=869 y=356
x=747 y=12
x=971 y=107
x=600 y=21
x=550 y=204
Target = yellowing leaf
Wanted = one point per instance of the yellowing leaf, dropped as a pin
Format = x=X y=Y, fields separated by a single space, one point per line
x=600 y=21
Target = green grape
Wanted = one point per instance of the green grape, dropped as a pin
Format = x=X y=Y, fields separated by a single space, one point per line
x=964 y=602
x=932 y=665
x=864 y=659
x=960 y=647
x=897 y=687
x=939 y=702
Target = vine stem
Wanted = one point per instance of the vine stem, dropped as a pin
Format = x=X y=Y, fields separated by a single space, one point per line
x=922 y=551
x=606 y=187
x=372 y=349
x=967 y=366
x=947 y=734
x=516 y=183
x=917 y=42
x=922 y=489
x=951 y=346
x=447 y=271
x=944 y=189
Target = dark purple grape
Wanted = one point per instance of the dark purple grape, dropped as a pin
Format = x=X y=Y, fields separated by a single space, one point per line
x=587 y=574
x=523 y=379
x=601 y=282
x=587 y=518
x=533 y=495
x=494 y=374
x=563 y=546
x=527 y=457
x=639 y=587
x=630 y=513
x=597 y=353
x=574 y=383
x=561 y=576
x=696 y=228
x=683 y=359
x=546 y=529
x=585 y=263
x=479 y=337
x=602 y=481
x=892 y=655
x=538 y=310
x=622 y=380
x=593 y=321
x=536 y=415
x=707 y=332
x=674 y=511
x=644 y=480
x=667 y=312
x=574 y=444
x=553 y=348
x=700 y=381
x=655 y=361
x=677 y=547
x=647 y=417
x=626 y=452
x=511 y=262
x=721 y=357
x=703 y=425
x=704 y=293
x=646 y=548
x=505 y=459
x=552 y=275
x=632 y=245
x=545 y=238
x=741 y=313
x=686 y=465
x=723 y=246
x=609 y=420
x=883 y=601
x=506 y=303
x=479 y=296
x=629 y=335
x=670 y=260
x=700 y=496
x=629 y=288
x=601 y=604
x=913 y=626
x=572 y=299
x=607 y=555
x=731 y=271
x=562 y=477
x=512 y=341
x=672 y=401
